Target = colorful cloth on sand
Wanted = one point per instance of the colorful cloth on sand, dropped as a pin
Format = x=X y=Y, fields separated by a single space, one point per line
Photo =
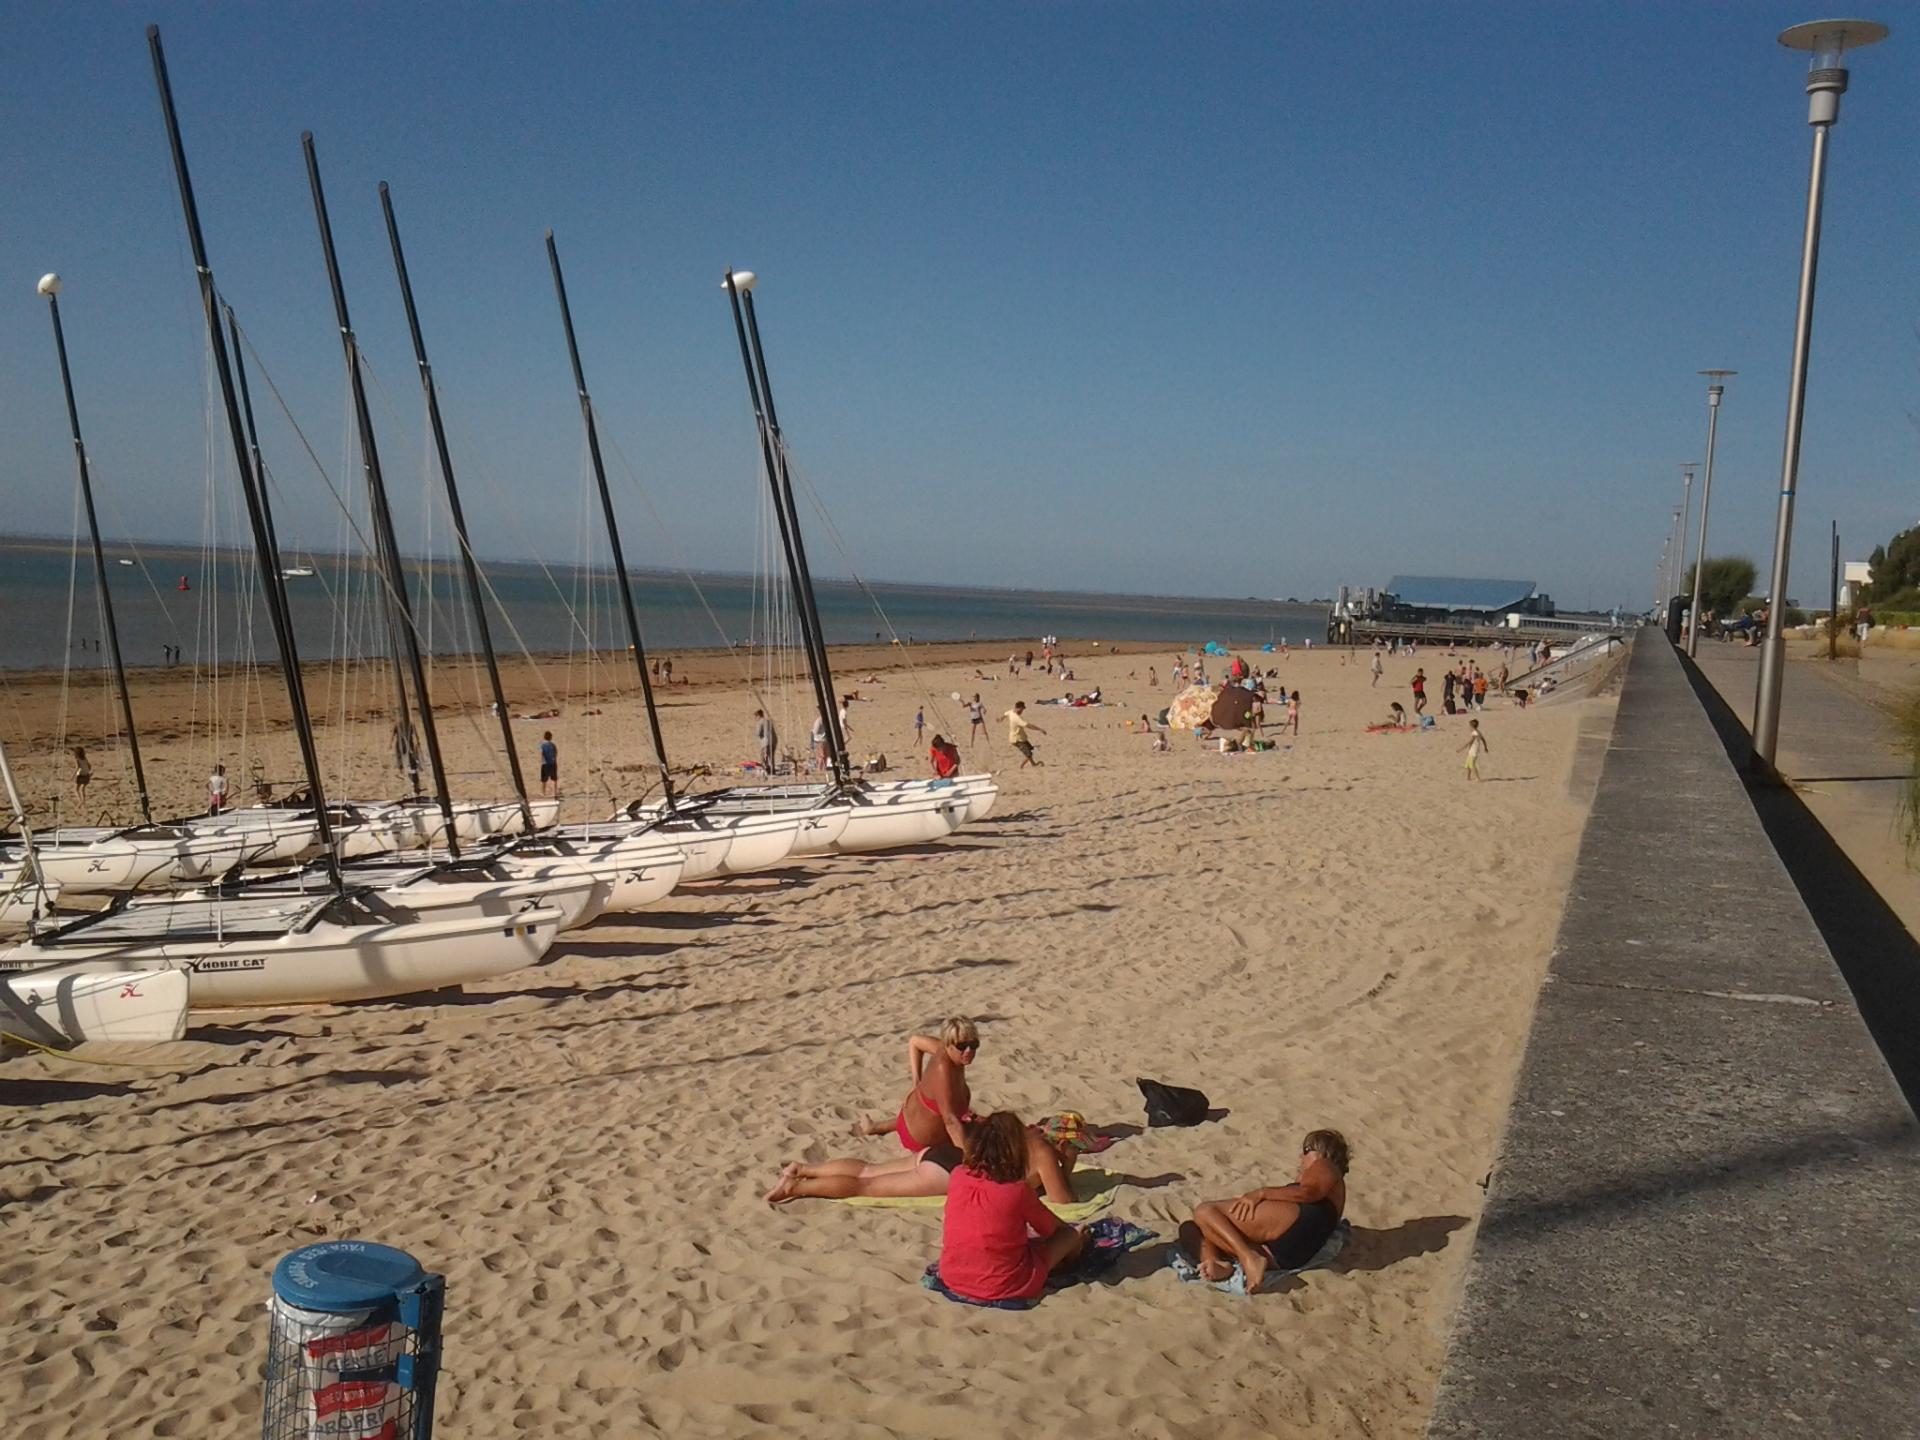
x=1107 y=1240
x=1236 y=1283
x=1069 y=1131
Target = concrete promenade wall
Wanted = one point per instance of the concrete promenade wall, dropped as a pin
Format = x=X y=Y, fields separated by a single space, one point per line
x=1704 y=1219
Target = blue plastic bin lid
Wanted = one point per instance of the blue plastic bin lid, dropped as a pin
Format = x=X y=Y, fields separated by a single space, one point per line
x=344 y=1275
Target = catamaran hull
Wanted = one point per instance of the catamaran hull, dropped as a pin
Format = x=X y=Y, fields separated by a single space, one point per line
x=909 y=820
x=861 y=821
x=645 y=877
x=270 y=836
x=123 y=1006
x=705 y=851
x=324 y=964
x=121 y=863
x=980 y=792
x=577 y=898
x=765 y=833
x=475 y=820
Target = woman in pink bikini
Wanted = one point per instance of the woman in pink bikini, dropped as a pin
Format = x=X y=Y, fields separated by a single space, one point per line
x=939 y=1100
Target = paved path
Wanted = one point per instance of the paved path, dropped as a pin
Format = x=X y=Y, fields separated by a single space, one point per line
x=1705 y=1217
x=1837 y=749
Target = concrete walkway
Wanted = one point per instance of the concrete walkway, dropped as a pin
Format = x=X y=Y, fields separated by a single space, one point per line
x=1705 y=1215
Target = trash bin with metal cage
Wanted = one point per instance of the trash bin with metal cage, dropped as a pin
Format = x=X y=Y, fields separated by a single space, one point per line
x=353 y=1348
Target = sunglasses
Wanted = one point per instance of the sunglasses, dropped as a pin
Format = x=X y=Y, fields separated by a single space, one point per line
x=967 y=1045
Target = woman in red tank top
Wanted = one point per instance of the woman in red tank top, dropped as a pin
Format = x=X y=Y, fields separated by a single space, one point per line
x=986 y=1252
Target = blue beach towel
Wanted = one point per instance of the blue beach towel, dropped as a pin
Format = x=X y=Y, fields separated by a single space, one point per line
x=1107 y=1240
x=1236 y=1284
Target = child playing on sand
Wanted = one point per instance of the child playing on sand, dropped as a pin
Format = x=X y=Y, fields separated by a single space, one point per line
x=1475 y=747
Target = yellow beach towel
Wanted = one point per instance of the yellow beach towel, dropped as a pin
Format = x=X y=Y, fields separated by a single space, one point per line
x=1092 y=1188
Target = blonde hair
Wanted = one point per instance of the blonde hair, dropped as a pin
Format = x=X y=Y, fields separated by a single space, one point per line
x=958 y=1028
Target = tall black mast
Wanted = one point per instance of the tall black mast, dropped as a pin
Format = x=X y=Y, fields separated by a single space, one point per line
x=399 y=605
x=799 y=577
x=50 y=287
x=262 y=540
x=613 y=525
x=476 y=598
x=258 y=461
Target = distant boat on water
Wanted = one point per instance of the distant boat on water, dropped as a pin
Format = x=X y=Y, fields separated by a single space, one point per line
x=296 y=572
x=128 y=563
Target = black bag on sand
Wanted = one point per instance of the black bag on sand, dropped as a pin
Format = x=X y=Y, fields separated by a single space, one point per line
x=1172 y=1104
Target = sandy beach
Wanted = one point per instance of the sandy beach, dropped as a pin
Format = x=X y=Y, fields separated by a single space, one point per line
x=1341 y=933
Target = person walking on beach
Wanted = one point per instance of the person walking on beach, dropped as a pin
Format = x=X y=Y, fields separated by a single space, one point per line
x=1292 y=723
x=1378 y=668
x=82 y=772
x=819 y=738
x=919 y=725
x=976 y=719
x=1017 y=728
x=549 y=764
x=217 y=790
x=1419 y=692
x=1479 y=688
x=766 y=740
x=1475 y=747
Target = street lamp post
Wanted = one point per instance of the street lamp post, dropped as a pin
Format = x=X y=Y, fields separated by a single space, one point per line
x=1826 y=41
x=1715 y=389
x=1673 y=566
x=1686 y=517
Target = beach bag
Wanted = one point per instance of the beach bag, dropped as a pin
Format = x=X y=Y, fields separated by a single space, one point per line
x=1172 y=1104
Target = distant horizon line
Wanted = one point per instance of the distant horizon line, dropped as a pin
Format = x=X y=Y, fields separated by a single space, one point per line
x=61 y=543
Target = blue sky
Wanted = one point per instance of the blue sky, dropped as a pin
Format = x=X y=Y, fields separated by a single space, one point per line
x=1191 y=298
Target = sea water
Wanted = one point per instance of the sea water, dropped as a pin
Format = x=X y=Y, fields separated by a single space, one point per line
x=47 y=597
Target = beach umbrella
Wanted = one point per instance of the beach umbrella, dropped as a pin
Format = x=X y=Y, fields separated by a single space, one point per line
x=1191 y=708
x=1232 y=709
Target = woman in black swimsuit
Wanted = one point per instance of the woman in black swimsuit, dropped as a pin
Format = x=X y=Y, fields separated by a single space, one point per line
x=1279 y=1227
